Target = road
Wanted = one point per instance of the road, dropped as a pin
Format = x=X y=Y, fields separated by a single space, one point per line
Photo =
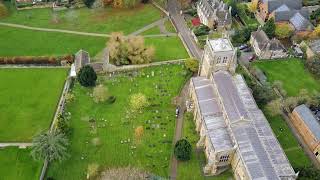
x=181 y=25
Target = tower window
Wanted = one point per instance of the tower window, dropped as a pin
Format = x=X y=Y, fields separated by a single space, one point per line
x=219 y=60
x=225 y=59
x=224 y=158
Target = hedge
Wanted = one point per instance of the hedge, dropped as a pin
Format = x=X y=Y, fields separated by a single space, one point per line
x=47 y=60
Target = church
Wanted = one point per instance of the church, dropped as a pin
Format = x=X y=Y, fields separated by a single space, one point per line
x=234 y=132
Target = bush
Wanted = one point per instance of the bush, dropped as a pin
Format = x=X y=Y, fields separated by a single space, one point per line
x=138 y=102
x=183 y=150
x=87 y=76
x=191 y=12
x=201 y=30
x=100 y=94
x=284 y=30
x=37 y=60
x=93 y=171
x=269 y=28
x=192 y=65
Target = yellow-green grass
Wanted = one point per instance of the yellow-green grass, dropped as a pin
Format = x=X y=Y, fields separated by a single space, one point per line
x=22 y=42
x=167 y=48
x=291 y=73
x=153 y=150
x=152 y=31
x=169 y=26
x=88 y=20
x=17 y=164
x=193 y=169
x=28 y=101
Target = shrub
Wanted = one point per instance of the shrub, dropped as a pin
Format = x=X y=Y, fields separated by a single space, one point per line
x=138 y=102
x=183 y=150
x=201 y=30
x=93 y=170
x=87 y=76
x=192 y=65
x=269 y=28
x=100 y=94
x=284 y=30
x=37 y=60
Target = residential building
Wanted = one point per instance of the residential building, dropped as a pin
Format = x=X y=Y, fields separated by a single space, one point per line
x=214 y=14
x=289 y=11
x=308 y=127
x=233 y=130
x=266 y=48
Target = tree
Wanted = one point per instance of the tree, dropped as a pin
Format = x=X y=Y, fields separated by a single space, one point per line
x=183 y=150
x=88 y=3
x=284 y=30
x=192 y=64
x=3 y=10
x=129 y=50
x=51 y=146
x=234 y=8
x=100 y=94
x=87 y=76
x=316 y=15
x=274 y=107
x=138 y=102
x=253 y=6
x=269 y=28
x=307 y=173
x=316 y=31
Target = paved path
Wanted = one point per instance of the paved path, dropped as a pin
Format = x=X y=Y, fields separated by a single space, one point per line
x=149 y=26
x=179 y=127
x=180 y=24
x=20 y=145
x=53 y=30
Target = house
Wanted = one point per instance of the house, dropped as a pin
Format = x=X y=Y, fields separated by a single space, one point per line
x=233 y=130
x=81 y=59
x=312 y=48
x=308 y=127
x=289 y=11
x=214 y=14
x=266 y=48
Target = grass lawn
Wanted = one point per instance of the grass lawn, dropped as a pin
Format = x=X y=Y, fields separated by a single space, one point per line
x=17 y=164
x=288 y=142
x=88 y=20
x=192 y=169
x=152 y=31
x=167 y=48
x=28 y=101
x=114 y=124
x=21 y=42
x=292 y=74
x=169 y=26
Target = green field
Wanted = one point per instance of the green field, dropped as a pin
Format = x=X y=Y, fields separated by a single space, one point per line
x=17 y=164
x=28 y=101
x=193 y=168
x=152 y=31
x=167 y=48
x=292 y=74
x=114 y=124
x=21 y=42
x=87 y=20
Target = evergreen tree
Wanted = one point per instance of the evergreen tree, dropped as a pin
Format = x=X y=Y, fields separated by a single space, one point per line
x=87 y=76
x=270 y=28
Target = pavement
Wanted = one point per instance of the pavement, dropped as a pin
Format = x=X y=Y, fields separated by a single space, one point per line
x=17 y=144
x=181 y=26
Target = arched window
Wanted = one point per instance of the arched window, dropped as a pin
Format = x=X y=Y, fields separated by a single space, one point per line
x=225 y=59
x=219 y=60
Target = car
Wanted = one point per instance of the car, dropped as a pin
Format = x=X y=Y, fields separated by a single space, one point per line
x=252 y=58
x=177 y=111
x=243 y=46
x=247 y=49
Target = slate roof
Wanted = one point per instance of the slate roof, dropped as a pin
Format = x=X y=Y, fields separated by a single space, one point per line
x=308 y=118
x=265 y=43
x=300 y=23
x=209 y=7
x=246 y=126
x=81 y=59
x=315 y=46
x=275 y=4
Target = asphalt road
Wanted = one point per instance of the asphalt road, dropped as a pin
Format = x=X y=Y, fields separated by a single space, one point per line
x=181 y=25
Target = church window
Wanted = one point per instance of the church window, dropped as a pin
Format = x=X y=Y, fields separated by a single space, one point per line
x=219 y=60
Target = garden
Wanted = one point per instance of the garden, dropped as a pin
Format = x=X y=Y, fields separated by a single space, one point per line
x=291 y=73
x=104 y=21
x=28 y=101
x=114 y=135
x=17 y=164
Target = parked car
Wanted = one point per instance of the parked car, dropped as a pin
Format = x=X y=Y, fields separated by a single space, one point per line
x=243 y=46
x=252 y=58
x=177 y=111
x=247 y=49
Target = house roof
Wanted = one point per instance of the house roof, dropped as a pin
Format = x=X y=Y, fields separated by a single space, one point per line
x=300 y=23
x=275 y=4
x=265 y=43
x=216 y=8
x=308 y=118
x=315 y=46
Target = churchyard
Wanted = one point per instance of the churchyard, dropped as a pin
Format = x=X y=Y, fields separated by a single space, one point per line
x=113 y=125
x=28 y=101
